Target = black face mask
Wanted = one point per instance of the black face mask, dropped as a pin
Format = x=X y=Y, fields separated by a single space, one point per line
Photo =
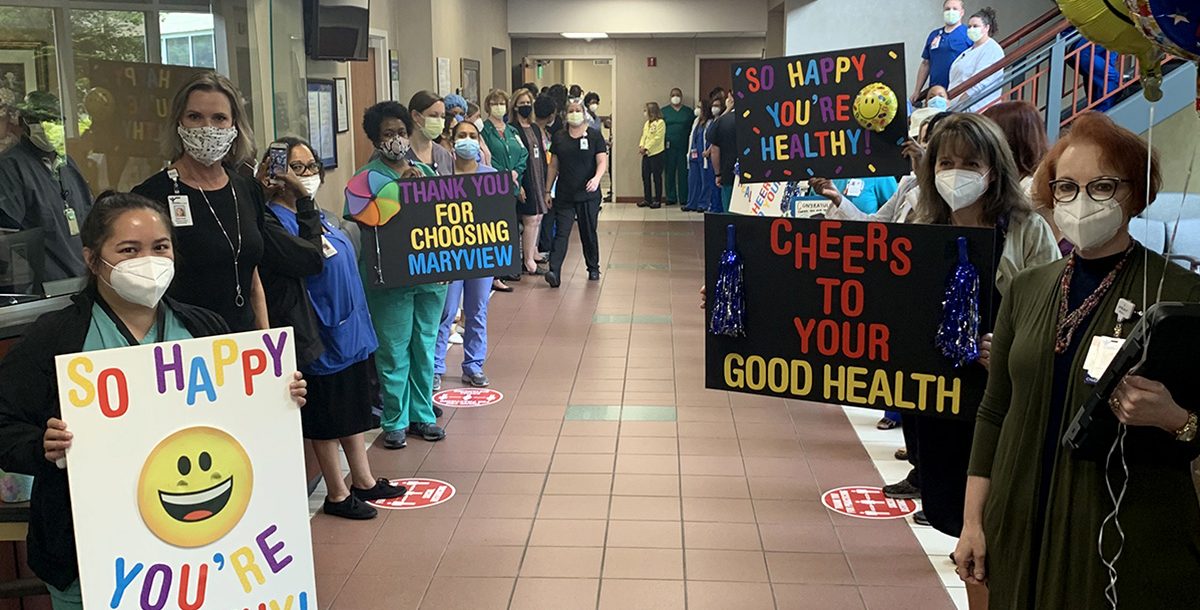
x=524 y=111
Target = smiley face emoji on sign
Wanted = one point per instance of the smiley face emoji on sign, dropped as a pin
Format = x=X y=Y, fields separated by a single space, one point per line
x=195 y=486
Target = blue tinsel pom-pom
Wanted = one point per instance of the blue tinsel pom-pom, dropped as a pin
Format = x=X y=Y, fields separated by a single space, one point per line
x=728 y=300
x=958 y=333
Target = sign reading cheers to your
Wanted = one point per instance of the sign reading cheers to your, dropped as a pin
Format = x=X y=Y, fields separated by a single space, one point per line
x=187 y=475
x=846 y=313
x=834 y=115
x=444 y=228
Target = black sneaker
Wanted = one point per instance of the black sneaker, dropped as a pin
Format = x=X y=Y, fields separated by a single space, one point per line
x=382 y=490
x=476 y=380
x=655 y=205
x=394 y=440
x=920 y=519
x=428 y=431
x=437 y=382
x=643 y=204
x=437 y=411
x=350 y=508
x=593 y=276
x=902 y=491
x=552 y=279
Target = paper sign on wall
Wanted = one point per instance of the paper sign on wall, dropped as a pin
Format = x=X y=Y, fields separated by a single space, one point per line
x=187 y=474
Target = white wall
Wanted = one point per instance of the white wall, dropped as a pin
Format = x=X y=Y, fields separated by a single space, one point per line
x=637 y=16
x=637 y=84
x=468 y=29
x=1174 y=139
x=814 y=26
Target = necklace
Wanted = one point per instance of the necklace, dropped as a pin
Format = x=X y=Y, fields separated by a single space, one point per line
x=236 y=250
x=1068 y=322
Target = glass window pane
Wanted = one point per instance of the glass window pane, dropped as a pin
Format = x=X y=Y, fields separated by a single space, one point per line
x=178 y=52
x=110 y=35
x=28 y=63
x=202 y=51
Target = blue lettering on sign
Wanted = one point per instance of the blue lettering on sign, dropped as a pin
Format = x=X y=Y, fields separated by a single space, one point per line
x=470 y=259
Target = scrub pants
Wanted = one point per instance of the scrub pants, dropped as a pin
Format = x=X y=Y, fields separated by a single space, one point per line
x=474 y=296
x=70 y=598
x=677 y=172
x=565 y=214
x=700 y=186
x=726 y=195
x=406 y=320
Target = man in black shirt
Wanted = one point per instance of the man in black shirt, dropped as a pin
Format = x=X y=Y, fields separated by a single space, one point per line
x=723 y=136
x=579 y=158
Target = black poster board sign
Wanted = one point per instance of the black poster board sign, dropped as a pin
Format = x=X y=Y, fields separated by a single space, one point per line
x=447 y=228
x=796 y=115
x=855 y=323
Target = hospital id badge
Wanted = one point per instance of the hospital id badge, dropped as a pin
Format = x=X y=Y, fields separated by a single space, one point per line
x=583 y=143
x=937 y=40
x=327 y=249
x=1100 y=355
x=72 y=221
x=537 y=153
x=854 y=187
x=181 y=210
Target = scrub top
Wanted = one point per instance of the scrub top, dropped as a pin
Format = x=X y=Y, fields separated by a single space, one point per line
x=104 y=334
x=868 y=196
x=941 y=49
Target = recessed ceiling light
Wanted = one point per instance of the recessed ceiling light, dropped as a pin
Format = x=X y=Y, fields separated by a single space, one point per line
x=585 y=35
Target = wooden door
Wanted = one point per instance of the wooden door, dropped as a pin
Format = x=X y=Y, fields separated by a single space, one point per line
x=715 y=73
x=363 y=94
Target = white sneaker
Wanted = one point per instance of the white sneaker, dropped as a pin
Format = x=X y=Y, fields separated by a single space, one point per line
x=456 y=339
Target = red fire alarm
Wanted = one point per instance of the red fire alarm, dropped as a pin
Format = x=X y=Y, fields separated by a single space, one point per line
x=651 y=62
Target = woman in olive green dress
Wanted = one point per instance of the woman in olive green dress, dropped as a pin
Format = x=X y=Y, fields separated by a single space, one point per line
x=1034 y=512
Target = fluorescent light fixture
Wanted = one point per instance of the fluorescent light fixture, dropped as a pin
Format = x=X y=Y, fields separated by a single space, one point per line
x=585 y=35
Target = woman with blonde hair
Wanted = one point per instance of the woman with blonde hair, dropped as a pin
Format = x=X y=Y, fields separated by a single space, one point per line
x=652 y=147
x=217 y=213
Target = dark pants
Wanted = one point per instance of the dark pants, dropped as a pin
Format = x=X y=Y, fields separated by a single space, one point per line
x=908 y=425
x=652 y=171
x=565 y=215
x=545 y=236
x=677 y=172
x=944 y=446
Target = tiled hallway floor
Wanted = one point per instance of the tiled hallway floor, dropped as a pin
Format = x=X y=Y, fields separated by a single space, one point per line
x=608 y=477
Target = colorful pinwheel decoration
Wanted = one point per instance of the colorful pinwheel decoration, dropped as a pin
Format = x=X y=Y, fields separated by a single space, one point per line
x=372 y=198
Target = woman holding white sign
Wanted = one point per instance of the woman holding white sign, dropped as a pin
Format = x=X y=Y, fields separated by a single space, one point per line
x=128 y=248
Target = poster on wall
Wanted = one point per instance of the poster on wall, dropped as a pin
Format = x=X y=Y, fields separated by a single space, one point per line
x=435 y=229
x=343 y=107
x=394 y=65
x=445 y=87
x=470 y=80
x=128 y=102
x=846 y=313
x=838 y=114
x=187 y=474
x=321 y=121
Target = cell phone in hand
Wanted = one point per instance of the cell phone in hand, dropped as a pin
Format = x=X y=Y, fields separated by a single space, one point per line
x=278 y=157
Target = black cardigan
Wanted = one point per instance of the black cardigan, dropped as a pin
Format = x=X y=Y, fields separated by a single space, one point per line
x=29 y=397
x=287 y=260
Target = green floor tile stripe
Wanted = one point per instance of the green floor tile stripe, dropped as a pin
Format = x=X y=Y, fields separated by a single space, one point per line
x=615 y=413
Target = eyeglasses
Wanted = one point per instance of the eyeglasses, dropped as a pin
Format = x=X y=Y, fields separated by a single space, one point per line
x=1100 y=189
x=300 y=168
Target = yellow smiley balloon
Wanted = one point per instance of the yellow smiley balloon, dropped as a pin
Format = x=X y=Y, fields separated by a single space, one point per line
x=875 y=107
x=195 y=486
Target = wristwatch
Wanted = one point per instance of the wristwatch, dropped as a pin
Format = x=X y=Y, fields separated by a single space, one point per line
x=1187 y=432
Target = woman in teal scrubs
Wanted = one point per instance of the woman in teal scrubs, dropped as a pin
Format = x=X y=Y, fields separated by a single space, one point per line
x=406 y=318
x=128 y=249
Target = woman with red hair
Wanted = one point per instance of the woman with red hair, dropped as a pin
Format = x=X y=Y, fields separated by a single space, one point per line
x=1025 y=131
x=1035 y=512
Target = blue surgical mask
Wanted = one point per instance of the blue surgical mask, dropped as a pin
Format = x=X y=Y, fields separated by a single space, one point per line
x=938 y=103
x=466 y=148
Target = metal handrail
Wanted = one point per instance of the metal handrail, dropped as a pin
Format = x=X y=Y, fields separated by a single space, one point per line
x=1031 y=27
x=1019 y=54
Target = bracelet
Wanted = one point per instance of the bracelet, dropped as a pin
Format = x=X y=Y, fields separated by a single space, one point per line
x=1187 y=432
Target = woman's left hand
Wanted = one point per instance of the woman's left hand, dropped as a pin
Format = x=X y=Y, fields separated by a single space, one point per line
x=299 y=389
x=1138 y=401
x=592 y=185
x=521 y=195
x=985 y=351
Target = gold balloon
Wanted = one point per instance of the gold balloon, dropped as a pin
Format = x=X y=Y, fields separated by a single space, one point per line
x=1109 y=24
x=875 y=107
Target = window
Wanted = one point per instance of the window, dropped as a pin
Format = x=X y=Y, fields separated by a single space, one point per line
x=187 y=39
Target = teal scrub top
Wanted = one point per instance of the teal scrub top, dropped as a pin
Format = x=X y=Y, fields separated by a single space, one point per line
x=104 y=334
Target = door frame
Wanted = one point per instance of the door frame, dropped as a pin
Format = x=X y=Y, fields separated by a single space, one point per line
x=699 y=56
x=612 y=62
x=383 y=82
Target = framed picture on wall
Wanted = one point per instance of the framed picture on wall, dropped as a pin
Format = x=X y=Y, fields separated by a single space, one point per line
x=470 y=80
x=343 y=110
x=23 y=67
x=443 y=76
x=321 y=121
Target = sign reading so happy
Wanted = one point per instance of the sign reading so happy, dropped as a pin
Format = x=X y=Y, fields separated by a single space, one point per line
x=187 y=475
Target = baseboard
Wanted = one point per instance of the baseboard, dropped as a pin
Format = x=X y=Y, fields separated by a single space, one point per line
x=629 y=199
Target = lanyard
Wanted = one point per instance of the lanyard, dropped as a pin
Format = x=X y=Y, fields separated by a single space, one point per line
x=160 y=323
x=238 y=300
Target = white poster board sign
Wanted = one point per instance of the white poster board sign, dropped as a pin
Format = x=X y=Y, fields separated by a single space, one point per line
x=776 y=199
x=187 y=474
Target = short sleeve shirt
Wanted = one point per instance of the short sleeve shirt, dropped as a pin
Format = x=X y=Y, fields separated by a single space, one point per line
x=576 y=163
x=941 y=49
x=724 y=137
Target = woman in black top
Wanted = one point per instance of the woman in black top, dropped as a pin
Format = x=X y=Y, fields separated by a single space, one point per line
x=217 y=213
x=532 y=202
x=124 y=235
x=579 y=158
